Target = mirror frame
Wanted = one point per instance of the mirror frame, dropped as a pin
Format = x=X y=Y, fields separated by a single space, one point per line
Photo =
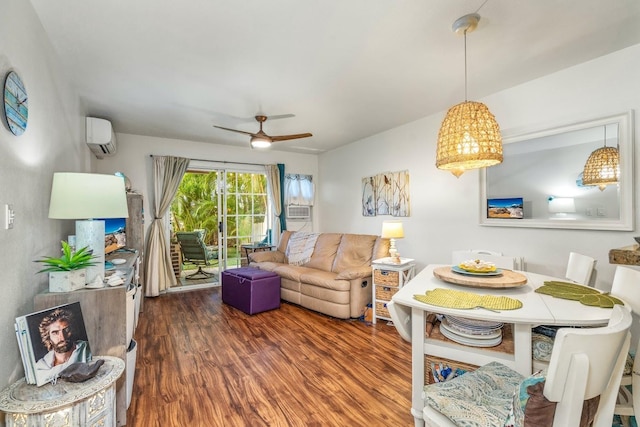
x=625 y=145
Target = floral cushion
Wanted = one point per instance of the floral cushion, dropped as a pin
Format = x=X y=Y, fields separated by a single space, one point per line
x=480 y=398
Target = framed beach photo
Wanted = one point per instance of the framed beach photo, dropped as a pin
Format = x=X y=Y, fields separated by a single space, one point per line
x=509 y=208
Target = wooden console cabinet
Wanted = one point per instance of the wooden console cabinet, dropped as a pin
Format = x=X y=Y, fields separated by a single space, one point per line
x=105 y=317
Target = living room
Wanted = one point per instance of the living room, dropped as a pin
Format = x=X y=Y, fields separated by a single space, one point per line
x=445 y=210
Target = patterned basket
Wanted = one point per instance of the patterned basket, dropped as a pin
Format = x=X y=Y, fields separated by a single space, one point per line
x=385 y=292
x=456 y=368
x=386 y=277
x=382 y=310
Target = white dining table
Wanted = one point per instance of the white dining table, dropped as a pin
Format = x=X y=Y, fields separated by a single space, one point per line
x=409 y=317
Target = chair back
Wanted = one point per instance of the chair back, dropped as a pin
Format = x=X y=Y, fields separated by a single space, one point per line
x=579 y=268
x=626 y=281
x=588 y=362
x=501 y=261
x=193 y=248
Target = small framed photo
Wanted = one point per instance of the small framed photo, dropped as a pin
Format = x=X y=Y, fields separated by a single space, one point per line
x=508 y=208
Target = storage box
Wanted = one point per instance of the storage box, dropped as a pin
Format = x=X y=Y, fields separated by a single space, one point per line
x=386 y=292
x=451 y=368
x=382 y=310
x=386 y=277
x=250 y=289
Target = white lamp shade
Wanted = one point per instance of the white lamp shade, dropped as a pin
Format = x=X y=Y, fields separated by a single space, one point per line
x=562 y=205
x=87 y=195
x=392 y=230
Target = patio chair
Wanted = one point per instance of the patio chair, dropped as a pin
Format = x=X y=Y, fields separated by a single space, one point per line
x=194 y=251
x=585 y=363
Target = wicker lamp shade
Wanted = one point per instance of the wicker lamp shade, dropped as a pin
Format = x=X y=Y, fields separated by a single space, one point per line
x=469 y=138
x=602 y=168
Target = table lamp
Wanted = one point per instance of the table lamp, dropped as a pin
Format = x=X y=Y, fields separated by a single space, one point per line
x=561 y=206
x=86 y=197
x=392 y=230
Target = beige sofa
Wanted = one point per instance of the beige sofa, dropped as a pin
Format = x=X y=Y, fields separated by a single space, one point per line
x=336 y=280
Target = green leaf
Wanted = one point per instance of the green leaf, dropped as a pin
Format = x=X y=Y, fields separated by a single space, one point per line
x=82 y=258
x=576 y=292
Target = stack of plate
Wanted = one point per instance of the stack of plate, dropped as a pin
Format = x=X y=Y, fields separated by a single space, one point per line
x=475 y=333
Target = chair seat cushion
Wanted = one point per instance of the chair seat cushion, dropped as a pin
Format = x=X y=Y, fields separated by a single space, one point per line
x=476 y=399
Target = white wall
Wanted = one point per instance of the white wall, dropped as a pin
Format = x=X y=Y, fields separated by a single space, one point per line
x=133 y=159
x=445 y=210
x=53 y=141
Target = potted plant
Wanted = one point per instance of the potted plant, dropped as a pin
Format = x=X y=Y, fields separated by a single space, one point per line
x=69 y=271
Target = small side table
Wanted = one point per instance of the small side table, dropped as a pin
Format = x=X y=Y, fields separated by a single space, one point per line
x=388 y=278
x=89 y=403
x=253 y=247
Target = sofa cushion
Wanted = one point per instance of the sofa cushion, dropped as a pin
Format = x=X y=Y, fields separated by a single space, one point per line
x=270 y=256
x=293 y=272
x=355 y=250
x=267 y=265
x=381 y=248
x=325 y=279
x=325 y=251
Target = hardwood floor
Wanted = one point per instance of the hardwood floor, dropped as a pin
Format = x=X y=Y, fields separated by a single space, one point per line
x=204 y=363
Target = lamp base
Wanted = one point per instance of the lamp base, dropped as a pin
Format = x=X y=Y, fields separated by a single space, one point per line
x=393 y=251
x=90 y=233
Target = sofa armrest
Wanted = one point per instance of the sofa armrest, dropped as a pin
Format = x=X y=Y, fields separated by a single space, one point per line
x=269 y=256
x=354 y=273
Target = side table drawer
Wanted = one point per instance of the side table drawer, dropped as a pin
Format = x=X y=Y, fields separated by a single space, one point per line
x=385 y=292
x=386 y=277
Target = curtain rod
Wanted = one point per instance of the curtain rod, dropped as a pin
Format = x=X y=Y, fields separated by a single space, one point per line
x=217 y=161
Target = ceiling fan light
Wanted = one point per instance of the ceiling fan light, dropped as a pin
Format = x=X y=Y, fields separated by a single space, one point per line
x=260 y=142
x=469 y=138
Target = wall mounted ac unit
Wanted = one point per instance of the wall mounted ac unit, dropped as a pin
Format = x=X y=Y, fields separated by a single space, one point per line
x=298 y=212
x=100 y=137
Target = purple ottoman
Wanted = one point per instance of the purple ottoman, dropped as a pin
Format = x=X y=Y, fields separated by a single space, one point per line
x=250 y=289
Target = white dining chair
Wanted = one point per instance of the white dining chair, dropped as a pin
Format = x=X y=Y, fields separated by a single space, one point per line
x=579 y=268
x=625 y=286
x=585 y=363
x=501 y=261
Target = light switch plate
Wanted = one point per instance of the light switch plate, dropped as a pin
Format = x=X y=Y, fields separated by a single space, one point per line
x=8 y=216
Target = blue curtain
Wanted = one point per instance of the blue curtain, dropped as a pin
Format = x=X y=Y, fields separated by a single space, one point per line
x=283 y=221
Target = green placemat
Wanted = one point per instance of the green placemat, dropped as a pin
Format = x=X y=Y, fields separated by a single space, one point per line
x=451 y=298
x=584 y=294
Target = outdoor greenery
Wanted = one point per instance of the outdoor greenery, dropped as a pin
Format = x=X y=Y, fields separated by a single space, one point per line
x=195 y=206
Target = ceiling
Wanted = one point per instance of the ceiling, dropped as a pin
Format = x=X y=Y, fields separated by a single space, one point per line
x=345 y=69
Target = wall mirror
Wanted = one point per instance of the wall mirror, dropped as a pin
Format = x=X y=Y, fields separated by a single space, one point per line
x=539 y=183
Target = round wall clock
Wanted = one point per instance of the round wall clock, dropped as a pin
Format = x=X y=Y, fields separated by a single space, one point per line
x=16 y=107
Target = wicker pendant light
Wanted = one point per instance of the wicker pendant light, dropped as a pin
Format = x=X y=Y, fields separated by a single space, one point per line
x=469 y=137
x=602 y=167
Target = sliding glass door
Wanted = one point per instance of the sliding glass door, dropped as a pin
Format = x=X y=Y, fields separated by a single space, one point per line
x=229 y=207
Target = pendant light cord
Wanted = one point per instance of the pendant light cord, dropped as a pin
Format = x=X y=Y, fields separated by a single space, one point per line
x=465 y=66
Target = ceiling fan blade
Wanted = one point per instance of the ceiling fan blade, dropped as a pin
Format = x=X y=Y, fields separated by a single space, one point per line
x=234 y=130
x=281 y=116
x=287 y=137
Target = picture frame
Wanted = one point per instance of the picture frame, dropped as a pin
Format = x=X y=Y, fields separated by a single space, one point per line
x=50 y=340
x=506 y=208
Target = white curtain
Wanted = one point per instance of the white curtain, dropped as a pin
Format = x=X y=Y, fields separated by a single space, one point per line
x=167 y=174
x=298 y=190
x=273 y=186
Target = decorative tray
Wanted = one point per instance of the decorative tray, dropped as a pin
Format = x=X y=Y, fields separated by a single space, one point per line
x=507 y=279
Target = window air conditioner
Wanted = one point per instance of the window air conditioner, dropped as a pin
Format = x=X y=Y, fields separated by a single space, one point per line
x=298 y=212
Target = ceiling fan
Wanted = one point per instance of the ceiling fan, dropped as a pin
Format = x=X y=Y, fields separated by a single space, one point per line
x=261 y=139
